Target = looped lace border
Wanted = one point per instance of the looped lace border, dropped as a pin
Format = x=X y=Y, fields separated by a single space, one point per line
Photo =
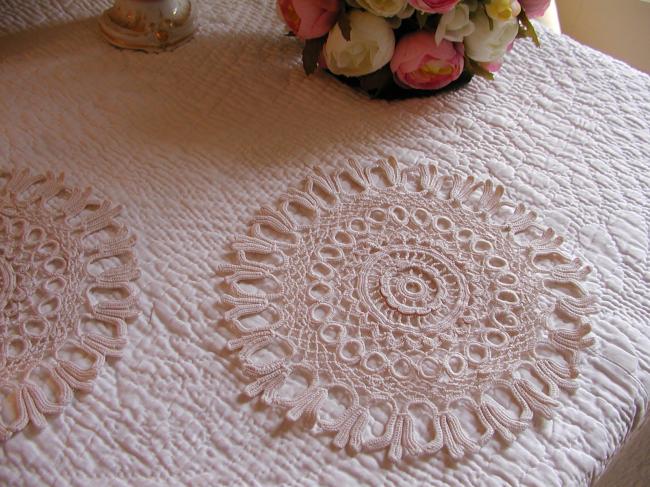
x=399 y=438
x=31 y=402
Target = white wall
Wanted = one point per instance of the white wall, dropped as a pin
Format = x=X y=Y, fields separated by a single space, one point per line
x=618 y=27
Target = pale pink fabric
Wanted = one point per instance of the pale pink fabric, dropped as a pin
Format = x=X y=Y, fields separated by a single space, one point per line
x=193 y=142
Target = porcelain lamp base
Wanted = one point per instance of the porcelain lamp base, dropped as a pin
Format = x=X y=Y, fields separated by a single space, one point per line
x=148 y=25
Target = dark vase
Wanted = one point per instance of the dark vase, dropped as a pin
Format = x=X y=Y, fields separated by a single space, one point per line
x=381 y=85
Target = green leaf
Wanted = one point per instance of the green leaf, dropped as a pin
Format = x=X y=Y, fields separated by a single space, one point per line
x=343 y=22
x=422 y=18
x=530 y=28
x=475 y=68
x=311 y=53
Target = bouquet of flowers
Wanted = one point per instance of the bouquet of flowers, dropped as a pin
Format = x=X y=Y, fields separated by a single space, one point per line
x=401 y=48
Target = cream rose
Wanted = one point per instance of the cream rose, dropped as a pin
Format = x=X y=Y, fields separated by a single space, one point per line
x=503 y=9
x=370 y=47
x=489 y=43
x=455 y=25
x=384 y=8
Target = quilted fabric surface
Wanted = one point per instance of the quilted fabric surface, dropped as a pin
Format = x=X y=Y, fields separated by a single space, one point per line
x=193 y=142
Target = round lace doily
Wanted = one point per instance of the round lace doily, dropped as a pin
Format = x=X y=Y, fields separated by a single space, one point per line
x=65 y=268
x=406 y=309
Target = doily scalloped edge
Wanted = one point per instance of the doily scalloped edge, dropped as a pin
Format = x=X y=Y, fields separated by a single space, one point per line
x=32 y=403
x=399 y=438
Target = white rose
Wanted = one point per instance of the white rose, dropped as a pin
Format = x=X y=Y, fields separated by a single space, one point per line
x=384 y=8
x=487 y=44
x=454 y=25
x=370 y=47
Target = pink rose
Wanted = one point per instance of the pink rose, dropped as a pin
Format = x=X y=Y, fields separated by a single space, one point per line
x=422 y=64
x=534 y=8
x=434 y=6
x=309 y=19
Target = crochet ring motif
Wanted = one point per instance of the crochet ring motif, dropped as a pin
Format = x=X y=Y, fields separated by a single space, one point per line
x=406 y=309
x=65 y=295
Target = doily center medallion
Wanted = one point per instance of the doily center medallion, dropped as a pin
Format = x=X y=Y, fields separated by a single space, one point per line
x=65 y=294
x=422 y=294
x=403 y=285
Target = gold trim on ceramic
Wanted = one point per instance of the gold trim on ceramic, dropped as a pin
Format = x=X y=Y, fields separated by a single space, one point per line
x=156 y=25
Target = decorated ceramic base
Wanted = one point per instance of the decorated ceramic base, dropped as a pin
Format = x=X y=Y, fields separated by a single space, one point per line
x=148 y=25
x=380 y=85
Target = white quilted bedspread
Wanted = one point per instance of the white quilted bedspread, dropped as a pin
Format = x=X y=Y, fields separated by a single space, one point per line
x=193 y=142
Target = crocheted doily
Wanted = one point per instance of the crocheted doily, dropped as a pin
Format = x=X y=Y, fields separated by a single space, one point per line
x=423 y=296
x=65 y=268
